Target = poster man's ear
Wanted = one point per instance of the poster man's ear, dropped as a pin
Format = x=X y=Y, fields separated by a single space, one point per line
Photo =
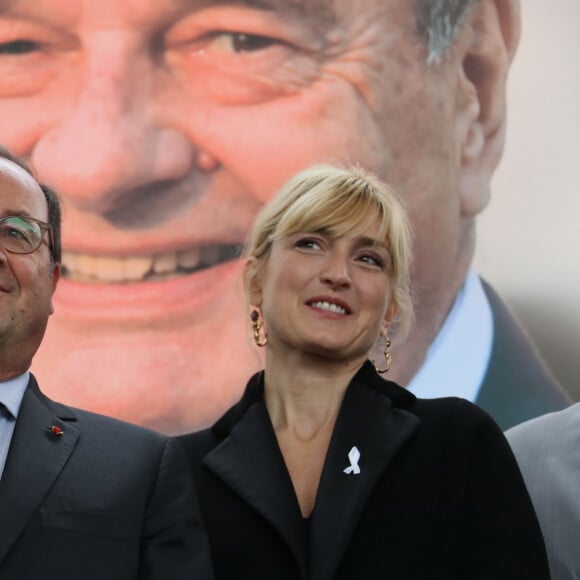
x=252 y=283
x=492 y=32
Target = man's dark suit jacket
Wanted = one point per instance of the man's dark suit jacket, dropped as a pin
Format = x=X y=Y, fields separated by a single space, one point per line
x=439 y=495
x=517 y=385
x=102 y=500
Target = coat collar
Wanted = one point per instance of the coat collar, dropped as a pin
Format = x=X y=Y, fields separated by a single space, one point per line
x=372 y=418
x=36 y=457
x=250 y=462
x=254 y=393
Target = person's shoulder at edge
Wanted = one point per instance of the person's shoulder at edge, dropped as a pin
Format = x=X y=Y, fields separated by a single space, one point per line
x=117 y=442
x=457 y=412
x=174 y=542
x=439 y=408
x=547 y=432
x=459 y=416
x=546 y=449
x=106 y=426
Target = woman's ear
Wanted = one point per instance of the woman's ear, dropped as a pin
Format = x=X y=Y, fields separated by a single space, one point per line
x=389 y=316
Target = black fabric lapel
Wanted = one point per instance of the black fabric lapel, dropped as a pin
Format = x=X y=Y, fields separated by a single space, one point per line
x=250 y=462
x=369 y=421
x=35 y=460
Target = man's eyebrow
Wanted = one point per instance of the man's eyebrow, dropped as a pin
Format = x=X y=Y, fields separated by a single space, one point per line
x=260 y=4
x=269 y=4
x=14 y=213
x=319 y=9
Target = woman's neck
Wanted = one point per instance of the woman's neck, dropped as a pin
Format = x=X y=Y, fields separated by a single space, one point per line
x=303 y=397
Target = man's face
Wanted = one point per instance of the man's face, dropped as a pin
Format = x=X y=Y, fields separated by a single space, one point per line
x=27 y=281
x=165 y=125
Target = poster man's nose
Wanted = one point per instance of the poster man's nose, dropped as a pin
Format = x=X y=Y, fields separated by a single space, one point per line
x=109 y=142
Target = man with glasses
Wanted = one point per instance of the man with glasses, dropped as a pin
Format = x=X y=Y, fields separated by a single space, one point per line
x=81 y=495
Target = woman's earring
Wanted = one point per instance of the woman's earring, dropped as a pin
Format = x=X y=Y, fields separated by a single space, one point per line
x=387 y=357
x=257 y=325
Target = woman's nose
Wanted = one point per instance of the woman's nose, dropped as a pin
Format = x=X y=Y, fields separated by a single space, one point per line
x=336 y=272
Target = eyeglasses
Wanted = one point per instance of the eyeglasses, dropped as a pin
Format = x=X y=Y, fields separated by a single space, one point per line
x=21 y=234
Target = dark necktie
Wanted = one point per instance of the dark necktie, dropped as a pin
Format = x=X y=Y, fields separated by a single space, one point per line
x=5 y=412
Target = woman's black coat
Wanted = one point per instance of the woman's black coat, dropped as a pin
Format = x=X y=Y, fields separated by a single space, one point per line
x=439 y=494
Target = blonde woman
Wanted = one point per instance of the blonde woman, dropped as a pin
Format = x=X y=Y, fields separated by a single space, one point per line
x=324 y=470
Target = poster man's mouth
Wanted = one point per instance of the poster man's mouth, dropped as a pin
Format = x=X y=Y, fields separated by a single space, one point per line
x=139 y=268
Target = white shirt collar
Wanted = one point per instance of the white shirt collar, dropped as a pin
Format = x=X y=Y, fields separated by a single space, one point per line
x=12 y=393
x=457 y=360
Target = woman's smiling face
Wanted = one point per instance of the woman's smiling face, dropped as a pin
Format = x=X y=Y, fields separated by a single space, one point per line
x=325 y=295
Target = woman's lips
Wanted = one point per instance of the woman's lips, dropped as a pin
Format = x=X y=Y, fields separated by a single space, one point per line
x=92 y=268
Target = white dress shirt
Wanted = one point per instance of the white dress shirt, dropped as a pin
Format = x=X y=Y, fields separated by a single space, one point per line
x=457 y=360
x=11 y=394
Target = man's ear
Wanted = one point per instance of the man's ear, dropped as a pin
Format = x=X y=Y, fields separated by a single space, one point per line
x=489 y=40
x=252 y=283
x=55 y=277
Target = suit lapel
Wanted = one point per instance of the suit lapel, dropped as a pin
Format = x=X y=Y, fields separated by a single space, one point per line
x=250 y=462
x=369 y=421
x=517 y=385
x=36 y=457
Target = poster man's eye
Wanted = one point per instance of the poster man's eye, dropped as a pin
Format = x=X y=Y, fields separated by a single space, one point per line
x=239 y=42
x=18 y=47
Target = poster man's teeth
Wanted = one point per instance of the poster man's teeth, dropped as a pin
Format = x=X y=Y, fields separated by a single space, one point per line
x=135 y=268
x=209 y=254
x=189 y=259
x=165 y=263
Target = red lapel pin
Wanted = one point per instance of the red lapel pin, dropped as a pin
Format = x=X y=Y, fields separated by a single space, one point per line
x=55 y=430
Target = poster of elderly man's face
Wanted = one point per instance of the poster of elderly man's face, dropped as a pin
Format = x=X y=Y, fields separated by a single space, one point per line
x=165 y=125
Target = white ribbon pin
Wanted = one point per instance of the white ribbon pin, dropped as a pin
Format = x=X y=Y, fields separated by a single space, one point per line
x=353 y=457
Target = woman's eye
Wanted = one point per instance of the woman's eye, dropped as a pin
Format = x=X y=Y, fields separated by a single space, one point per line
x=18 y=47
x=239 y=42
x=372 y=260
x=307 y=243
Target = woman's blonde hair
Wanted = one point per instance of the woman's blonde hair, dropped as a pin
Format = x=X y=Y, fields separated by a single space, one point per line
x=339 y=201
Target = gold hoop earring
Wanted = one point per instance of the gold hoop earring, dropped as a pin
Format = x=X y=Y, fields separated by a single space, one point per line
x=257 y=325
x=387 y=357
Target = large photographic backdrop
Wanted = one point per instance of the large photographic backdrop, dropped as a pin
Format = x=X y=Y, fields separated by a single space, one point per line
x=166 y=125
